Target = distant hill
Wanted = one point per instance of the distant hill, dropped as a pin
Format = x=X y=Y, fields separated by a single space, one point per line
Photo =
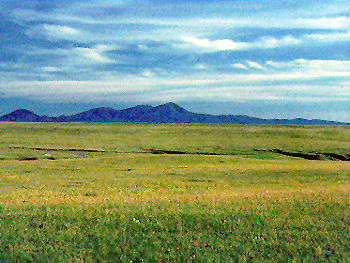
x=23 y=115
x=165 y=113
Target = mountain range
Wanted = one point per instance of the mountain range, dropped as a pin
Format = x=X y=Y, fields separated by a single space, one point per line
x=165 y=113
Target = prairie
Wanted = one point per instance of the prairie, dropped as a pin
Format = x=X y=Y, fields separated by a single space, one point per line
x=109 y=193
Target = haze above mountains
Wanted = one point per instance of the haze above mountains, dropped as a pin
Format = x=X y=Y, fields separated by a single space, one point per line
x=165 y=113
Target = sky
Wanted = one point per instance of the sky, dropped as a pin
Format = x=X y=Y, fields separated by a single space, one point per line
x=263 y=58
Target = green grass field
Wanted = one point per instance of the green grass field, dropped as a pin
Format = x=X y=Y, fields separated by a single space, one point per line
x=96 y=193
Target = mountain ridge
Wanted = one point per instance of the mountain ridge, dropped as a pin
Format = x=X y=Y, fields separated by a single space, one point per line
x=164 y=113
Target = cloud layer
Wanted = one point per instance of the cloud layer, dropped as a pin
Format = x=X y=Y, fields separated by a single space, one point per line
x=149 y=52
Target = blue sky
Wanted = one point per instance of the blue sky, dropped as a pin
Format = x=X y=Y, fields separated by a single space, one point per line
x=262 y=58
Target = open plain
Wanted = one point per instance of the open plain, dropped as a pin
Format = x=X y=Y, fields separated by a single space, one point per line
x=79 y=192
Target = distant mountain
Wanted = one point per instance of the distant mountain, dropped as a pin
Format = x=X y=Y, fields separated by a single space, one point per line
x=23 y=115
x=93 y=115
x=165 y=113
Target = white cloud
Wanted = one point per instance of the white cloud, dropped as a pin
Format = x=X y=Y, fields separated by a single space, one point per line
x=330 y=37
x=78 y=55
x=103 y=47
x=94 y=55
x=206 y=45
x=255 y=65
x=239 y=66
x=333 y=23
x=147 y=73
x=270 y=42
x=200 y=66
x=326 y=66
x=54 y=32
x=339 y=23
x=216 y=45
x=60 y=31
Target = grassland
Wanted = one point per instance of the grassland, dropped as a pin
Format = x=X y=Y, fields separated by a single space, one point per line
x=96 y=193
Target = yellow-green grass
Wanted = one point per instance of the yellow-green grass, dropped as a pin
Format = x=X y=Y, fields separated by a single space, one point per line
x=125 y=204
x=229 y=139
x=146 y=177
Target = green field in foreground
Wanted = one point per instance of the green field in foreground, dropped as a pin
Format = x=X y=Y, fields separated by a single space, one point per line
x=98 y=193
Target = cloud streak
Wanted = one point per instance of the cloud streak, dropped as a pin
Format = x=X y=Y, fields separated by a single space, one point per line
x=232 y=86
x=204 y=44
x=265 y=42
x=93 y=55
